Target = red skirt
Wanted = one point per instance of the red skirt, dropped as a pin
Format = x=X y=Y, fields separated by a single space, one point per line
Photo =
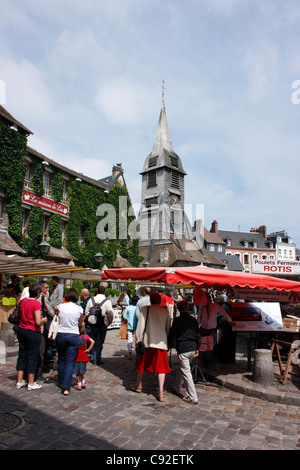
x=153 y=360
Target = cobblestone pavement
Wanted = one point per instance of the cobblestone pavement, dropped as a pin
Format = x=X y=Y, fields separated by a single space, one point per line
x=107 y=415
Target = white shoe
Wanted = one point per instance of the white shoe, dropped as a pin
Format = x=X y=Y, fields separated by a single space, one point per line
x=35 y=386
x=21 y=384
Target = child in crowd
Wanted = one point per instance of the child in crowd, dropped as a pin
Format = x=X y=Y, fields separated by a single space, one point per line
x=131 y=318
x=82 y=358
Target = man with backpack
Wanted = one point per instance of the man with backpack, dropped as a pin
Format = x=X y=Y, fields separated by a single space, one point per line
x=99 y=314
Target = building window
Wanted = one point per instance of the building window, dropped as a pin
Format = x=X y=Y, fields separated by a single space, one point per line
x=47 y=184
x=228 y=242
x=255 y=257
x=151 y=178
x=65 y=191
x=174 y=161
x=27 y=179
x=285 y=253
x=291 y=253
x=151 y=201
x=46 y=225
x=24 y=219
x=81 y=235
x=246 y=259
x=211 y=247
x=220 y=248
x=265 y=257
x=175 y=179
x=152 y=161
x=63 y=227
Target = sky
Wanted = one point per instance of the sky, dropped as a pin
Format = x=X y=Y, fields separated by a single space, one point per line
x=86 y=79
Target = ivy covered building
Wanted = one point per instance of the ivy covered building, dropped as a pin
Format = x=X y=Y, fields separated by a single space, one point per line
x=43 y=200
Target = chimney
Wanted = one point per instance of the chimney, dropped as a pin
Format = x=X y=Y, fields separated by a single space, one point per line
x=262 y=229
x=214 y=227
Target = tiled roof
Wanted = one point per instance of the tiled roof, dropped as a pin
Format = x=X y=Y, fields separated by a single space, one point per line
x=191 y=255
x=5 y=115
x=237 y=239
x=211 y=237
x=87 y=179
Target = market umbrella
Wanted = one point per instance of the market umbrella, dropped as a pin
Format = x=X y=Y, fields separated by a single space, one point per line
x=205 y=277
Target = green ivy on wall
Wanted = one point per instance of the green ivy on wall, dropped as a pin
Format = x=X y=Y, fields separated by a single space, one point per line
x=55 y=231
x=34 y=232
x=84 y=200
x=12 y=173
x=57 y=186
x=37 y=177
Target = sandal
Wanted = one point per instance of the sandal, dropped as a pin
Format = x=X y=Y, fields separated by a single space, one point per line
x=161 y=399
x=65 y=391
x=135 y=389
x=188 y=400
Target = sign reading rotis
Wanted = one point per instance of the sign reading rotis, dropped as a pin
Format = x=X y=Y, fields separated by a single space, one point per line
x=45 y=203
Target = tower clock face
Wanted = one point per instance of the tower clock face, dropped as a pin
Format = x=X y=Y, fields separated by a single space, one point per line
x=173 y=199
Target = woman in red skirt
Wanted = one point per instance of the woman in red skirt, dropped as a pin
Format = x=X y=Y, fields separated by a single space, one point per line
x=153 y=328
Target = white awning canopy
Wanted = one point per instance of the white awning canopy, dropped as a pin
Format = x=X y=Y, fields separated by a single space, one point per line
x=15 y=264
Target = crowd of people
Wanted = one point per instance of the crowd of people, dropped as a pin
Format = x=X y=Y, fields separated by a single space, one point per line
x=157 y=320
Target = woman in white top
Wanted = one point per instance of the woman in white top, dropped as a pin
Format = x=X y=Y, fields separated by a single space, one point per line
x=67 y=339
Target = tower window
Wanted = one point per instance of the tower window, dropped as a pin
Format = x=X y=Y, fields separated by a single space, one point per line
x=152 y=161
x=152 y=201
x=152 y=178
x=175 y=180
x=174 y=161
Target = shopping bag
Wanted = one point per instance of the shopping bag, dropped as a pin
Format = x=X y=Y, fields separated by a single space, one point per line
x=53 y=328
x=122 y=333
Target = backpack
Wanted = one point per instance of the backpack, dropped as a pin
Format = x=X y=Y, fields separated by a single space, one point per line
x=95 y=316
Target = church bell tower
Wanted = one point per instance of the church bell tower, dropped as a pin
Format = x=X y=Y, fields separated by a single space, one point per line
x=162 y=199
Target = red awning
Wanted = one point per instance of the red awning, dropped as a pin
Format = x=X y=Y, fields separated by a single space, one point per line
x=205 y=277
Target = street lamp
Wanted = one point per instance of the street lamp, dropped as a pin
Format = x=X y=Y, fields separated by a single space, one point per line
x=98 y=257
x=44 y=247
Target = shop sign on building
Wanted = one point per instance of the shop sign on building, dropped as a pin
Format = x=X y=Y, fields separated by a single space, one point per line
x=45 y=203
x=276 y=267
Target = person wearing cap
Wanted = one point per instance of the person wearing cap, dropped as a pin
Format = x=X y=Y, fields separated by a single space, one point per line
x=185 y=337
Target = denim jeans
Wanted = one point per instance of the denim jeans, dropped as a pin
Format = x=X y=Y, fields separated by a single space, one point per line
x=29 y=343
x=67 y=346
x=99 y=334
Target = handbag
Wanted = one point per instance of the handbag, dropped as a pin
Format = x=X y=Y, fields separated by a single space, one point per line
x=15 y=316
x=122 y=333
x=53 y=327
x=140 y=346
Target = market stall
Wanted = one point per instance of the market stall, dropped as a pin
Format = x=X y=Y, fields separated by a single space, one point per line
x=254 y=317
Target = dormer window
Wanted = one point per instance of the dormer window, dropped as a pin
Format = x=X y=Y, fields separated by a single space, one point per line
x=174 y=161
x=152 y=162
x=228 y=242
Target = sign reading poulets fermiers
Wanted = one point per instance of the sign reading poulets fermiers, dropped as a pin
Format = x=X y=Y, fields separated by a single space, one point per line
x=45 y=203
x=276 y=267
